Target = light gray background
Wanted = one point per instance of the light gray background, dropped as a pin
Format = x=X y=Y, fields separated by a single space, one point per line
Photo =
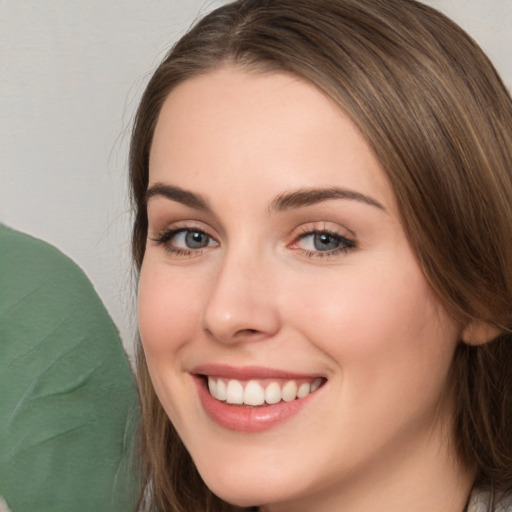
x=71 y=73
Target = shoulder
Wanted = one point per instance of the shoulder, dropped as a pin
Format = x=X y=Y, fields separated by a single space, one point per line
x=481 y=501
x=505 y=504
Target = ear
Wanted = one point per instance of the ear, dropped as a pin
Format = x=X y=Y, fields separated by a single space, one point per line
x=479 y=332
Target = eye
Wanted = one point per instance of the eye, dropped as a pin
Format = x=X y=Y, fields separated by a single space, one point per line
x=321 y=243
x=185 y=241
x=190 y=239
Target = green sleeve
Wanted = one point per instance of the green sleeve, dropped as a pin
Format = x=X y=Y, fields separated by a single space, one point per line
x=68 y=405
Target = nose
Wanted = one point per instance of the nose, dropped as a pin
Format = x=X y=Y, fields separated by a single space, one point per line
x=242 y=305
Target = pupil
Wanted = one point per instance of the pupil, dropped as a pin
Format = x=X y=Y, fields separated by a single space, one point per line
x=196 y=240
x=325 y=242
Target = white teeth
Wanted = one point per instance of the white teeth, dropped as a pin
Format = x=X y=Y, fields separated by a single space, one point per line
x=221 y=390
x=217 y=388
x=273 y=393
x=212 y=386
x=316 y=384
x=304 y=390
x=289 y=391
x=234 y=392
x=254 y=394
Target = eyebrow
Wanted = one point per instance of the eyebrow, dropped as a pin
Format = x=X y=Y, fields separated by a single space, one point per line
x=179 y=195
x=283 y=202
x=307 y=197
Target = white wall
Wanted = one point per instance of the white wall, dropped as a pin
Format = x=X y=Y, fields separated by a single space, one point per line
x=71 y=73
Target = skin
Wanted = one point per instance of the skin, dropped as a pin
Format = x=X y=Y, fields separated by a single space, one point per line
x=376 y=436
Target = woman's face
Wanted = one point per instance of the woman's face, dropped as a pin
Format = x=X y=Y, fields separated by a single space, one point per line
x=277 y=268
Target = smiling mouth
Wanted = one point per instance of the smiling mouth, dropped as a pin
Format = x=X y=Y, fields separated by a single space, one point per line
x=261 y=392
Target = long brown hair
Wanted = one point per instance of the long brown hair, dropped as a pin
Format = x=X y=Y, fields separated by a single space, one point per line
x=439 y=119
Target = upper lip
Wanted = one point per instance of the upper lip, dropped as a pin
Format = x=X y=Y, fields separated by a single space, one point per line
x=249 y=372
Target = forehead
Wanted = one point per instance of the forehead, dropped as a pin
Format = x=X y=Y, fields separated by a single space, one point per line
x=243 y=101
x=236 y=125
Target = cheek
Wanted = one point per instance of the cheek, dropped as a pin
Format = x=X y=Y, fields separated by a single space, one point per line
x=167 y=315
x=167 y=311
x=382 y=327
x=390 y=345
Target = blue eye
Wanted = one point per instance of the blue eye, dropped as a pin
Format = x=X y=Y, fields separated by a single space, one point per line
x=189 y=239
x=184 y=241
x=324 y=243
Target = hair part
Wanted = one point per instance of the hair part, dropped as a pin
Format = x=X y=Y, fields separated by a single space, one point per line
x=439 y=119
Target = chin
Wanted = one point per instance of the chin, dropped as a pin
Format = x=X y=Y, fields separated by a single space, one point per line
x=240 y=493
x=259 y=486
x=252 y=489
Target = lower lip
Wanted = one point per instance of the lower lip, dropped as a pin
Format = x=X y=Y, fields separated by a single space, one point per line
x=246 y=418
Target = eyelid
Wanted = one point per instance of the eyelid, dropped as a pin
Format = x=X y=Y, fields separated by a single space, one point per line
x=345 y=236
x=333 y=228
x=158 y=228
x=162 y=212
x=163 y=236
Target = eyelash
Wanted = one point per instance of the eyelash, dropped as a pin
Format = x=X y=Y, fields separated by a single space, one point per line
x=165 y=237
x=345 y=244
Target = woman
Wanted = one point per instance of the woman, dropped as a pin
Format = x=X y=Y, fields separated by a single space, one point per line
x=322 y=191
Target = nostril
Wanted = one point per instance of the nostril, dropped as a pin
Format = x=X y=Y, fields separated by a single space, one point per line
x=247 y=333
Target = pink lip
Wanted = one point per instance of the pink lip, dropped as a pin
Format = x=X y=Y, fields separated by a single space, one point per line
x=243 y=418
